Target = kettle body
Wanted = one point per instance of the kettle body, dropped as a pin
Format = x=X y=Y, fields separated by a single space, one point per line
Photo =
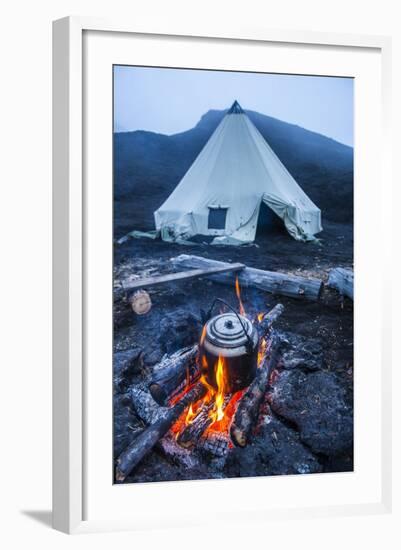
x=233 y=339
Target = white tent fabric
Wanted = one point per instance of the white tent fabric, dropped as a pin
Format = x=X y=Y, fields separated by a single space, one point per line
x=237 y=171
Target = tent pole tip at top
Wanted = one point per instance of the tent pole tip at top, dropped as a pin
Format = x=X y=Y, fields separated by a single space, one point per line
x=235 y=109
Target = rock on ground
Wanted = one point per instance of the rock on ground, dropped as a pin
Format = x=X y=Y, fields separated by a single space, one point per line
x=126 y=364
x=314 y=402
x=300 y=352
x=126 y=424
x=275 y=450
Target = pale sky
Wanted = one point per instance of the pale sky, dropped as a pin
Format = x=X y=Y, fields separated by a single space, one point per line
x=169 y=101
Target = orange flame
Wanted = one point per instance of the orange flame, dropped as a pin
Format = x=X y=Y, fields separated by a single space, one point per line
x=217 y=412
x=238 y=293
x=191 y=414
x=223 y=425
x=262 y=350
x=260 y=316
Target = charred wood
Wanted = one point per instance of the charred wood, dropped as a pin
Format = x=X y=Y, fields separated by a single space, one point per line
x=275 y=283
x=145 y=406
x=267 y=321
x=191 y=433
x=215 y=443
x=177 y=454
x=146 y=441
x=247 y=411
x=173 y=374
x=149 y=412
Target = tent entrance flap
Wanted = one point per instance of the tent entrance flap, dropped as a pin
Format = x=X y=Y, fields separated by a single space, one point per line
x=268 y=219
x=217 y=218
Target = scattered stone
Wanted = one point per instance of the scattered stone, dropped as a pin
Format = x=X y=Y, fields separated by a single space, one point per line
x=123 y=315
x=157 y=467
x=302 y=353
x=152 y=356
x=342 y=463
x=126 y=364
x=275 y=450
x=126 y=423
x=315 y=403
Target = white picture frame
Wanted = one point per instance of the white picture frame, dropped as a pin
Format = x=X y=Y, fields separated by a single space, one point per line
x=70 y=259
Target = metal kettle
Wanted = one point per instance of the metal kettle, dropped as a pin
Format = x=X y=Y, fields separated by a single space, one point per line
x=232 y=338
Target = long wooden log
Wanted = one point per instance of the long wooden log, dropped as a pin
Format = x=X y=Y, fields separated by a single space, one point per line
x=144 y=443
x=173 y=374
x=267 y=321
x=275 y=283
x=342 y=279
x=182 y=275
x=248 y=408
x=191 y=433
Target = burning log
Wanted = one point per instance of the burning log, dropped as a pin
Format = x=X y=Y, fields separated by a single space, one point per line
x=343 y=280
x=267 y=321
x=191 y=434
x=173 y=374
x=248 y=408
x=145 y=442
x=276 y=283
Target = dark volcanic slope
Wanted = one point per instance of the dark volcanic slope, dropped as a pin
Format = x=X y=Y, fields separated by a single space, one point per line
x=147 y=167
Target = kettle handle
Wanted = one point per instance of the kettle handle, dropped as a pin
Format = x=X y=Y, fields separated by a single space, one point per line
x=249 y=345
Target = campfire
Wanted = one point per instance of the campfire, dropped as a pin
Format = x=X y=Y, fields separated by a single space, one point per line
x=207 y=397
x=211 y=417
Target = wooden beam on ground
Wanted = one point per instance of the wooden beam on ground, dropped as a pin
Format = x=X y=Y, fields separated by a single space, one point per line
x=270 y=281
x=191 y=274
x=342 y=279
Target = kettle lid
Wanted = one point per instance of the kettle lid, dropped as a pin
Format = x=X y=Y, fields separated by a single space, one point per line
x=226 y=330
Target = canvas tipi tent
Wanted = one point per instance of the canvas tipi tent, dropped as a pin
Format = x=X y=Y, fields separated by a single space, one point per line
x=221 y=194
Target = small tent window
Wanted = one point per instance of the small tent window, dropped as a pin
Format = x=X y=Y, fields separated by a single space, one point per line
x=217 y=218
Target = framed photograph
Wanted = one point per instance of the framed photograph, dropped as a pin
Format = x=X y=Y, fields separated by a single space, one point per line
x=220 y=325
